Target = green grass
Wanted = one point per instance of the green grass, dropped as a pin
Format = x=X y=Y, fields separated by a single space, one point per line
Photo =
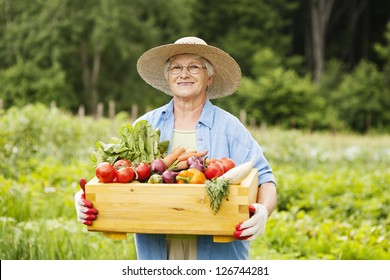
x=333 y=191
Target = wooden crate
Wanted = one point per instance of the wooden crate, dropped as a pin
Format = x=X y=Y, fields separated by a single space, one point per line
x=168 y=208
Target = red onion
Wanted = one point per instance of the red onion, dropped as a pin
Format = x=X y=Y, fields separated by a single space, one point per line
x=195 y=159
x=157 y=166
x=197 y=165
x=169 y=176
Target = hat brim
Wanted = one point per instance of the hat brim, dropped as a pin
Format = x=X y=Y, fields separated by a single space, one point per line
x=227 y=72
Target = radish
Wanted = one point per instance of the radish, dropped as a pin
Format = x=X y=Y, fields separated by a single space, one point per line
x=238 y=173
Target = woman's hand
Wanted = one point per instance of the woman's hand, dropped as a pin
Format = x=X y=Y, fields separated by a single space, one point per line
x=85 y=211
x=255 y=225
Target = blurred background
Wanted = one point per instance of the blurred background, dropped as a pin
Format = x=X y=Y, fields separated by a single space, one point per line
x=315 y=94
x=319 y=64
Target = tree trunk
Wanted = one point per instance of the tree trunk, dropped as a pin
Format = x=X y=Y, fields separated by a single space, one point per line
x=357 y=10
x=95 y=76
x=86 y=73
x=320 y=13
x=368 y=123
x=7 y=13
x=91 y=77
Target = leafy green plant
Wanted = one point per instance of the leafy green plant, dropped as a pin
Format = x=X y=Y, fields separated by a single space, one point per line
x=362 y=97
x=26 y=82
x=333 y=199
x=136 y=143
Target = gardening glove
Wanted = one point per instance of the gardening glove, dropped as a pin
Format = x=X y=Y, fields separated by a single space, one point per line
x=255 y=225
x=84 y=208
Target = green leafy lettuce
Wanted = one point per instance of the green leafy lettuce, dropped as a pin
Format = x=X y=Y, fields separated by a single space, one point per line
x=135 y=143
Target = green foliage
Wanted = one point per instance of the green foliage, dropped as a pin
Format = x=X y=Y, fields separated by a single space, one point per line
x=26 y=82
x=362 y=98
x=90 y=42
x=82 y=53
x=43 y=154
x=68 y=241
x=333 y=199
x=330 y=81
x=136 y=144
x=36 y=132
x=236 y=26
x=383 y=50
x=280 y=97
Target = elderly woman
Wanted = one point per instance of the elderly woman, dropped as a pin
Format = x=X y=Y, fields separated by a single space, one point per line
x=193 y=73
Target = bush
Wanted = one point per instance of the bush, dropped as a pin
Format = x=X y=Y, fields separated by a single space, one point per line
x=277 y=96
x=281 y=97
x=26 y=82
x=36 y=132
x=362 y=100
x=43 y=154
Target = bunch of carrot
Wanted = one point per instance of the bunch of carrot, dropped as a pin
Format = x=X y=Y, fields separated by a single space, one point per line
x=177 y=159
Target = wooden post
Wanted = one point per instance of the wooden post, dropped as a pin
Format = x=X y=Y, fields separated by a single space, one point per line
x=1 y=103
x=368 y=123
x=293 y=122
x=100 y=110
x=134 y=112
x=111 y=109
x=243 y=116
x=263 y=126
x=81 y=111
x=252 y=122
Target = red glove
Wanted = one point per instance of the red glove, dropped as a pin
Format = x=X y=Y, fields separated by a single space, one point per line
x=255 y=225
x=84 y=208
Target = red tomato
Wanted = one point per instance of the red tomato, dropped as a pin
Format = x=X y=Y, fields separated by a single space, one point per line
x=213 y=170
x=122 y=163
x=210 y=160
x=227 y=163
x=125 y=175
x=143 y=171
x=105 y=172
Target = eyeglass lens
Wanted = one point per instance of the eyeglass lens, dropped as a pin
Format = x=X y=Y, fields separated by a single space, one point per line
x=192 y=68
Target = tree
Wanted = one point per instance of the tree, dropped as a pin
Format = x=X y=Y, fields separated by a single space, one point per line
x=362 y=99
x=25 y=82
x=276 y=95
x=320 y=11
x=346 y=34
x=95 y=43
x=241 y=28
x=383 y=50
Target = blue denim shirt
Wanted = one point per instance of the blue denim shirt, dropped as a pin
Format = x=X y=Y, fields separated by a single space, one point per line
x=223 y=135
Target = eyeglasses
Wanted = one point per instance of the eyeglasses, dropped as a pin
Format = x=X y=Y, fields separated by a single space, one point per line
x=192 y=68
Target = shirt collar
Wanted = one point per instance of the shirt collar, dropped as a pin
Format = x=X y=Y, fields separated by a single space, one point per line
x=206 y=118
x=168 y=109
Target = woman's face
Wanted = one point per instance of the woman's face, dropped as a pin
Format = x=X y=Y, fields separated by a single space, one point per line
x=185 y=84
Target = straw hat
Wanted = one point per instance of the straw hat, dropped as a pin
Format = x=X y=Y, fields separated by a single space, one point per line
x=227 y=73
